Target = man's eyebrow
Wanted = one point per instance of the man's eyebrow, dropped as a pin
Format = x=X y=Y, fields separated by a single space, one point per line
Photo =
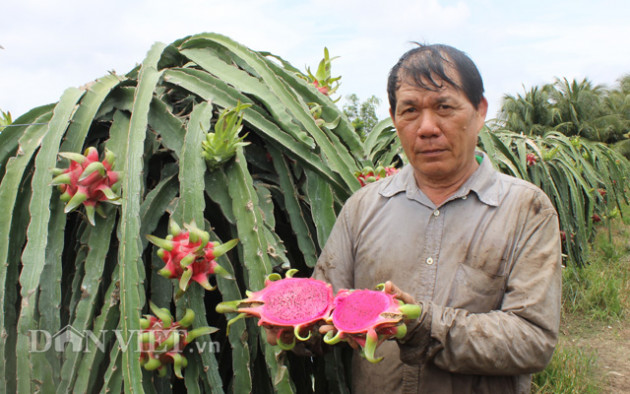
x=407 y=102
x=443 y=99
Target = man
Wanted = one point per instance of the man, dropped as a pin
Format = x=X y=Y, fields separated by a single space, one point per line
x=478 y=250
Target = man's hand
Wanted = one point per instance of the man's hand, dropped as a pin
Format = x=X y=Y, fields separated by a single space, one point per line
x=273 y=332
x=391 y=288
x=325 y=328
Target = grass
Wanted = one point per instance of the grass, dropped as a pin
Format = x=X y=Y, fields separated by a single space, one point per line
x=594 y=297
x=571 y=370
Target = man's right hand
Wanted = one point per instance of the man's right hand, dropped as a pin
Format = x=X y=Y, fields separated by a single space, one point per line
x=273 y=332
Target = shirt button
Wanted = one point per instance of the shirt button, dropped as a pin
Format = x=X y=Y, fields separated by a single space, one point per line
x=436 y=213
x=430 y=260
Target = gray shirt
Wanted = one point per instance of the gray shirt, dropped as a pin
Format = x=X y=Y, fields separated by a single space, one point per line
x=485 y=265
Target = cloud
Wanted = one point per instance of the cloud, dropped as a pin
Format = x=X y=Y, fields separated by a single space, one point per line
x=50 y=46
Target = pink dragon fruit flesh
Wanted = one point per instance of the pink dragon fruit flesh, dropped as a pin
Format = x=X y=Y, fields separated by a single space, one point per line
x=291 y=304
x=369 y=317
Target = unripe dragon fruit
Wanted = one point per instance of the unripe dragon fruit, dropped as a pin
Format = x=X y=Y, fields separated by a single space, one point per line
x=369 y=174
x=369 y=317
x=291 y=304
x=163 y=341
x=189 y=255
x=87 y=181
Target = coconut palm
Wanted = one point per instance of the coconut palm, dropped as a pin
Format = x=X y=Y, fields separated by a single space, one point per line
x=532 y=114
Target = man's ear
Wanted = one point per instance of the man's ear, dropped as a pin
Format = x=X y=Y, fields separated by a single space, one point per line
x=391 y=114
x=482 y=108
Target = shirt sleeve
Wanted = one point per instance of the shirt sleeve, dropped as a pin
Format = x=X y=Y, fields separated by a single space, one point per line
x=519 y=338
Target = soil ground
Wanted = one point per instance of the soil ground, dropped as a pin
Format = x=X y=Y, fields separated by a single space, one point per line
x=609 y=343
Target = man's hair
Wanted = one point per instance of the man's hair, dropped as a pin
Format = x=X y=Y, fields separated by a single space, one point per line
x=426 y=67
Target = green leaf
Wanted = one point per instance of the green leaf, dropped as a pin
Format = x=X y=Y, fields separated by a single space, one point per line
x=132 y=269
x=104 y=323
x=34 y=255
x=291 y=199
x=99 y=246
x=322 y=203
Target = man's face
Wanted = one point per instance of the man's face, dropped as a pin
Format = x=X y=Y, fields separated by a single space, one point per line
x=438 y=132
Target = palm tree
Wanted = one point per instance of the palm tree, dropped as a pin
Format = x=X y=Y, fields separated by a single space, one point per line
x=579 y=106
x=531 y=114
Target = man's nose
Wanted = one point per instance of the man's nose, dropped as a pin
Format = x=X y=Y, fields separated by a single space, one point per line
x=428 y=125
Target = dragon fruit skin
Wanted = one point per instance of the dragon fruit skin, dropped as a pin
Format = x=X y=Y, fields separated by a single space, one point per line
x=189 y=255
x=292 y=304
x=163 y=341
x=87 y=181
x=369 y=317
x=369 y=174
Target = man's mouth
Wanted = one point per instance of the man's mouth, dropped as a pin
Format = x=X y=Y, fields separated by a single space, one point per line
x=431 y=151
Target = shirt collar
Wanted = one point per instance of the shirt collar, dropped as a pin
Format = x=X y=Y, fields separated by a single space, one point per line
x=483 y=182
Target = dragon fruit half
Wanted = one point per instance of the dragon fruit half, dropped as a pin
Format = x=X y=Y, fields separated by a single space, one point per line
x=163 y=341
x=369 y=317
x=189 y=255
x=87 y=181
x=292 y=304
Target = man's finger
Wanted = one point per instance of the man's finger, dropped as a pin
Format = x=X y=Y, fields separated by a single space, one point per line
x=323 y=329
x=391 y=288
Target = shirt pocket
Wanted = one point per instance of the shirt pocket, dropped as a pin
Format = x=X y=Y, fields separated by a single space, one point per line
x=475 y=290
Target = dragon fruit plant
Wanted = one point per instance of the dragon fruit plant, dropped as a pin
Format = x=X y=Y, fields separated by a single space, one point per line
x=163 y=340
x=220 y=145
x=292 y=304
x=87 y=181
x=369 y=317
x=189 y=255
x=369 y=174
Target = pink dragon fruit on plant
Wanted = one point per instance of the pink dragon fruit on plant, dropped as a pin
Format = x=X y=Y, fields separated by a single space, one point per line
x=531 y=159
x=163 y=341
x=323 y=79
x=189 y=255
x=369 y=174
x=292 y=304
x=369 y=317
x=87 y=181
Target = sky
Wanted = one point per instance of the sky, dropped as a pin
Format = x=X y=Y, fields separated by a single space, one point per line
x=48 y=46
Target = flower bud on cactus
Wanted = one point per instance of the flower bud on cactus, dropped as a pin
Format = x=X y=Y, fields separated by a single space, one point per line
x=369 y=174
x=220 y=146
x=87 y=181
x=189 y=255
x=163 y=341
